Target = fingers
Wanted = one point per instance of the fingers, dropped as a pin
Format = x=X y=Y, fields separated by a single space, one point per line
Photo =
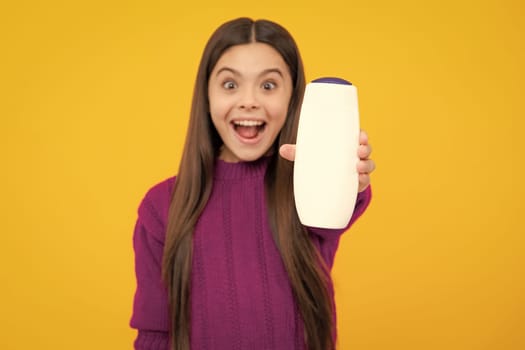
x=363 y=138
x=287 y=151
x=364 y=151
x=366 y=166
x=364 y=182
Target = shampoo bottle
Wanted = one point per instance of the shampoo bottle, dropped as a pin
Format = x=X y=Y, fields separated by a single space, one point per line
x=325 y=175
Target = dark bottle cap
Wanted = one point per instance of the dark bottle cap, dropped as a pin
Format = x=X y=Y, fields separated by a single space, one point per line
x=332 y=80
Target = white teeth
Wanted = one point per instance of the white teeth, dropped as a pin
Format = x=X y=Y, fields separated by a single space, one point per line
x=248 y=122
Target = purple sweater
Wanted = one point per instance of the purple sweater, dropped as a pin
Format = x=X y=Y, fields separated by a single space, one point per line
x=241 y=297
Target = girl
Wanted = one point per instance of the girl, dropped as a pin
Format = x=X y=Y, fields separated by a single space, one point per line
x=222 y=261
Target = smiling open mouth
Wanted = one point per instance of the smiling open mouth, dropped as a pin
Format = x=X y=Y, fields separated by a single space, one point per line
x=248 y=129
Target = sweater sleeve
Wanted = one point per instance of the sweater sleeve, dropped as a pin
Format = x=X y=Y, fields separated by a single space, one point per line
x=150 y=306
x=327 y=240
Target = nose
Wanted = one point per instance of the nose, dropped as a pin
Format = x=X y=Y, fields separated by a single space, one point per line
x=248 y=99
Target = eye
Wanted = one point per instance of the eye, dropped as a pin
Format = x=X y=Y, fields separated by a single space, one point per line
x=229 y=85
x=269 y=85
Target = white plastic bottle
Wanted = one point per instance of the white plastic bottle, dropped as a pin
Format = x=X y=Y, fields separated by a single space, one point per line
x=325 y=175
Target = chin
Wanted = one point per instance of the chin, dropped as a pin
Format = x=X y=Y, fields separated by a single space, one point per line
x=249 y=156
x=245 y=153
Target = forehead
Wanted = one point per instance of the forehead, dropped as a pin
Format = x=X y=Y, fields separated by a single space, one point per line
x=252 y=57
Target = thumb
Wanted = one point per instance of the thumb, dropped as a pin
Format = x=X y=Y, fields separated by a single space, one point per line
x=287 y=151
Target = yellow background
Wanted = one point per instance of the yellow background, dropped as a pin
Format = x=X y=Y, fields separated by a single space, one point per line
x=94 y=103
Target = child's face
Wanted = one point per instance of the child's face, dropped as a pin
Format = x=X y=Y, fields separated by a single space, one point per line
x=249 y=91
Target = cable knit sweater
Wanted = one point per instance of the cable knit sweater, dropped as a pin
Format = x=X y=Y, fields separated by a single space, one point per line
x=241 y=297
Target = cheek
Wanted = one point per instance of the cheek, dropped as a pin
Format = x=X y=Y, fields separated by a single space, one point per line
x=218 y=111
x=217 y=105
x=217 y=115
x=214 y=109
x=279 y=111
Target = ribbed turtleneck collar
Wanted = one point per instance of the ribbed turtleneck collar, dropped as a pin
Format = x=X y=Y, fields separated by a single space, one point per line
x=240 y=170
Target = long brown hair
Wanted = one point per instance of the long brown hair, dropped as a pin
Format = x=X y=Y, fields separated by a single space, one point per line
x=307 y=273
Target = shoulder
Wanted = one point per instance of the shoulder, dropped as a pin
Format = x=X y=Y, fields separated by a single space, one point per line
x=158 y=195
x=154 y=207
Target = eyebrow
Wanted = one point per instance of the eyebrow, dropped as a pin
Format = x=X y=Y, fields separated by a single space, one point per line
x=236 y=72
